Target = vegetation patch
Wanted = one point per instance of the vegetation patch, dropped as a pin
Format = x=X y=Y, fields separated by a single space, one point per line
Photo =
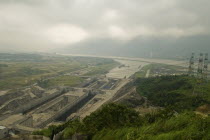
x=101 y=68
x=18 y=70
x=113 y=122
x=176 y=92
x=159 y=70
x=60 y=81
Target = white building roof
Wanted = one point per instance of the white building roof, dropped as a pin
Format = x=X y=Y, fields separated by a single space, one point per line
x=2 y=127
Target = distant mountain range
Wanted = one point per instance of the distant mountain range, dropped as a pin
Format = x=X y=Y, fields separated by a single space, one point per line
x=179 y=48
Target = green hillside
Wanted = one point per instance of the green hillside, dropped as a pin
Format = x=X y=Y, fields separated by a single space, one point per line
x=176 y=92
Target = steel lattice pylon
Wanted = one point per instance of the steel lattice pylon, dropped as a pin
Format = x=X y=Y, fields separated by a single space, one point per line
x=205 y=68
x=200 y=67
x=191 y=65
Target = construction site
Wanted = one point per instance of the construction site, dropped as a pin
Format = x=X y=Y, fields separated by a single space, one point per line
x=33 y=107
x=27 y=112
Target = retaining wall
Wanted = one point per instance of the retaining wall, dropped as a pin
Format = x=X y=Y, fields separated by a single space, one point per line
x=34 y=104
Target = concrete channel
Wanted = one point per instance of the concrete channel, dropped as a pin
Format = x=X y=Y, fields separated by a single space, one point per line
x=34 y=104
x=68 y=110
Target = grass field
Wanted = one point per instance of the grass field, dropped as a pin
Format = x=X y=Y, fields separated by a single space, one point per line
x=61 y=81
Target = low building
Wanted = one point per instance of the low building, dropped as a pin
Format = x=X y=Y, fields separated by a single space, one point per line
x=4 y=132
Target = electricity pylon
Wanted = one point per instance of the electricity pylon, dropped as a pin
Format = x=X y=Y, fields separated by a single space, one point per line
x=205 y=68
x=191 y=65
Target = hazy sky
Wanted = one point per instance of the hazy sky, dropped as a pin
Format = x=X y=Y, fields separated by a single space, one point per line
x=47 y=24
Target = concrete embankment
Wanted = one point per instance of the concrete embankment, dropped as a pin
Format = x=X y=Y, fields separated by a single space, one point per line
x=68 y=110
x=34 y=104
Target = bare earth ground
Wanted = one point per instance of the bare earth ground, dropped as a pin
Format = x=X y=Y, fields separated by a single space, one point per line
x=3 y=92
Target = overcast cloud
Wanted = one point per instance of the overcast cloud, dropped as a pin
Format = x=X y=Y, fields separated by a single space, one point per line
x=40 y=25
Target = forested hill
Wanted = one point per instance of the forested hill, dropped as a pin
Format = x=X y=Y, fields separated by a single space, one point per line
x=179 y=93
x=183 y=115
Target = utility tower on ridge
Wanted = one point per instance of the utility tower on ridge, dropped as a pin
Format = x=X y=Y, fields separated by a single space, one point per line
x=205 y=68
x=191 y=66
x=200 y=66
x=202 y=72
